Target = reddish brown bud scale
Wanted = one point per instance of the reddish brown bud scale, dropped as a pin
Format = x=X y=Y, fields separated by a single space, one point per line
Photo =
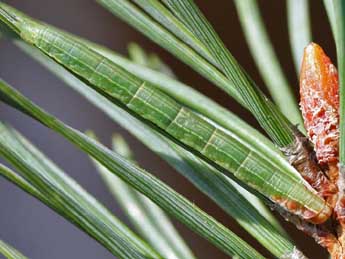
x=321 y=234
x=301 y=156
x=320 y=103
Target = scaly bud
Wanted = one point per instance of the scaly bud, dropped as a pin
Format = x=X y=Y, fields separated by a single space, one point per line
x=320 y=103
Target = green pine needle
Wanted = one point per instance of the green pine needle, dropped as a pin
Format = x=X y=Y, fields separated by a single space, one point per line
x=149 y=220
x=299 y=29
x=8 y=251
x=170 y=201
x=266 y=59
x=38 y=176
x=215 y=185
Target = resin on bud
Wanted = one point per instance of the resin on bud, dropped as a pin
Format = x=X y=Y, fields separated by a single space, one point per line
x=319 y=92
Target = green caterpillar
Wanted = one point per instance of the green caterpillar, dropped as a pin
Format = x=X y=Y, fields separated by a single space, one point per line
x=227 y=150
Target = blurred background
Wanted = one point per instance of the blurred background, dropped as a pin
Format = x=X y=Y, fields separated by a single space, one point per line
x=35 y=229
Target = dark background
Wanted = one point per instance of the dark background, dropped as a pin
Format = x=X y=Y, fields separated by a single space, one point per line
x=35 y=229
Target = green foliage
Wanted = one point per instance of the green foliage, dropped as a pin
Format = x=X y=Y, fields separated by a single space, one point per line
x=149 y=220
x=170 y=201
x=219 y=153
x=226 y=150
x=267 y=115
x=299 y=28
x=336 y=13
x=10 y=252
x=38 y=176
x=263 y=53
x=221 y=189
